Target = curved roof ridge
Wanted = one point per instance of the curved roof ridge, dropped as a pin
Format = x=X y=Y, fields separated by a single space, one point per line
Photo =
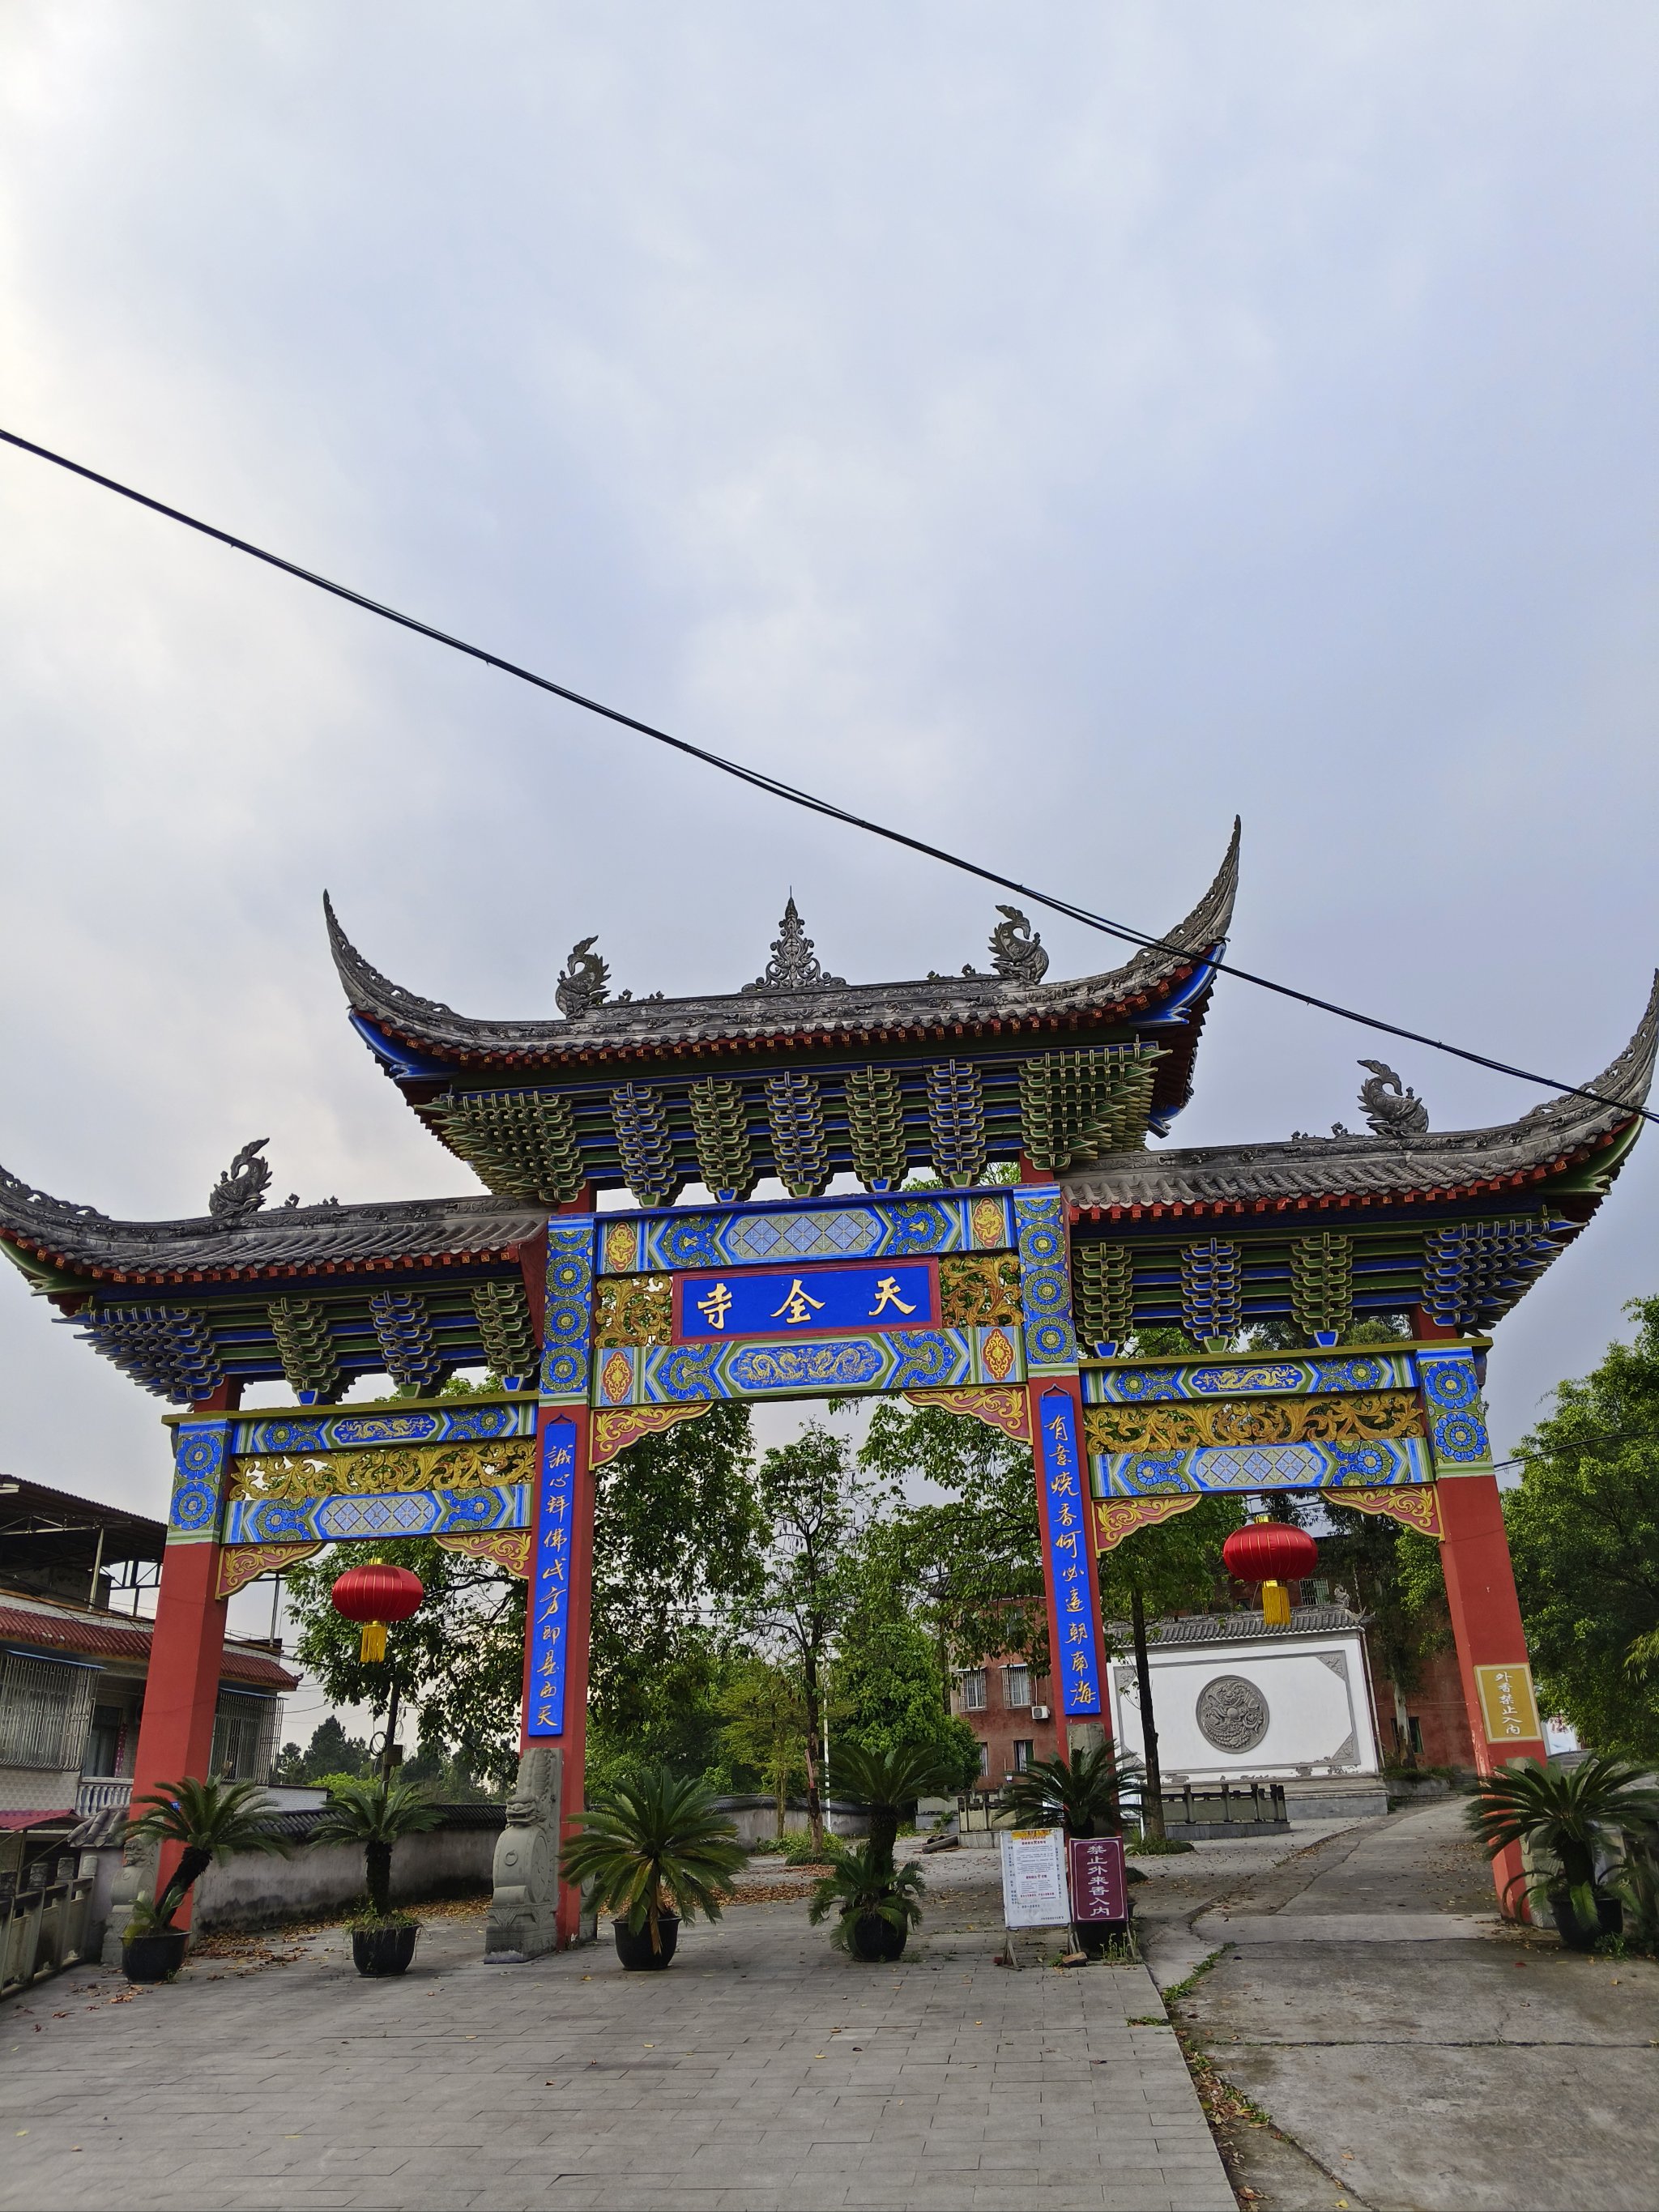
x=79 y=1237
x=1363 y=1164
x=740 y=1014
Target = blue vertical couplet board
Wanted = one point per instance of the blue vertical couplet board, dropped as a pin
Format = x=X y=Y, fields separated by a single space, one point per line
x=550 y=1597
x=1069 y=1533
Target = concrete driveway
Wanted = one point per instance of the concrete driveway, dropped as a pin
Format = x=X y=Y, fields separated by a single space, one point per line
x=1425 y=2057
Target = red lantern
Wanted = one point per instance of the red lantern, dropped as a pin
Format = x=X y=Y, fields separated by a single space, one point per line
x=1273 y=1553
x=375 y=1593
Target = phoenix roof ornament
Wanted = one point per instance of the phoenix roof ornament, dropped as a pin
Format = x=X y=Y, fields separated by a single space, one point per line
x=240 y=1191
x=585 y=981
x=1391 y=1109
x=1015 y=950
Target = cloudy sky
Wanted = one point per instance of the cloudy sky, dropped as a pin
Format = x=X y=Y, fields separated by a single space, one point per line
x=1052 y=430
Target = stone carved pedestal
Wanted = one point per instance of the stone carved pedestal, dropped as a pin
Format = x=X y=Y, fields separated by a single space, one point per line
x=524 y=1909
x=135 y=1878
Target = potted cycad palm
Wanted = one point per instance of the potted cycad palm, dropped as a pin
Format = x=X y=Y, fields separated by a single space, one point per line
x=653 y=1851
x=211 y=1820
x=876 y=1902
x=376 y=1813
x=1573 y=1814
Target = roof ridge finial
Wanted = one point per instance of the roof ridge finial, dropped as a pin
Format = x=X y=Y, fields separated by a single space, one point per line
x=794 y=965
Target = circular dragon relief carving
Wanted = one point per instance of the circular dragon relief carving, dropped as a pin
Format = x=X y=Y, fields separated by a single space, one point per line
x=1232 y=1713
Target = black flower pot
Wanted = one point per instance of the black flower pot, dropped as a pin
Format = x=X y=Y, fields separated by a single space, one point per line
x=874 y=1939
x=384 y=1949
x=1609 y=1920
x=635 y=1952
x=154 y=1958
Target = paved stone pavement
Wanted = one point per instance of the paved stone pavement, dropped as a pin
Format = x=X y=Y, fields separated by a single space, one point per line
x=1473 y=2072
x=760 y=2071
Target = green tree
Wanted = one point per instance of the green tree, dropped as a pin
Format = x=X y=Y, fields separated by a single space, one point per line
x=889 y=1694
x=816 y=1509
x=1583 y=1530
x=763 y=1727
x=970 y=1549
x=677 y=1533
x=331 y=1750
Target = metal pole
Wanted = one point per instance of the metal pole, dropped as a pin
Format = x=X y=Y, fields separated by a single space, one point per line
x=97 y=1565
x=275 y=1600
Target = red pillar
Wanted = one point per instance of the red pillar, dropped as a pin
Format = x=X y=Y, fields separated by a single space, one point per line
x=181 y=1694
x=1487 y=1628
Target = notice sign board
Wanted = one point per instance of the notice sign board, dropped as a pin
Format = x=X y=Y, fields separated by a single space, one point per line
x=1034 y=1892
x=1507 y=1704
x=1100 y=1883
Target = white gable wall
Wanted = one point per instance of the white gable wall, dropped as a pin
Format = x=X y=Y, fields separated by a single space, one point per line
x=1314 y=1691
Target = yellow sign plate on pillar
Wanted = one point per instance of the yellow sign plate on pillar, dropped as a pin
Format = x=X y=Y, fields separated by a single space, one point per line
x=1507 y=1704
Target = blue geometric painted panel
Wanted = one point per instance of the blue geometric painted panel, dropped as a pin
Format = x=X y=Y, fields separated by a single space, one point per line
x=1457 y=1425
x=665 y=1242
x=804 y=1367
x=378 y=1514
x=1284 y=1376
x=199 y=1456
x=570 y=1310
x=1045 y=1279
x=463 y=1422
x=1376 y=1463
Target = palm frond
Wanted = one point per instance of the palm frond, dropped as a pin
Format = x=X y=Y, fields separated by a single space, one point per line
x=378 y=1810
x=654 y=1843
x=218 y=1818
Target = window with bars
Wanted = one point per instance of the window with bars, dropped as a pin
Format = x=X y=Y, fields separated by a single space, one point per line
x=244 y=1737
x=1015 y=1687
x=973 y=1690
x=1024 y=1748
x=46 y=1708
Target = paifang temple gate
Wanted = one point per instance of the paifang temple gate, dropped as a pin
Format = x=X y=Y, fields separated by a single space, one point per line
x=1006 y=1303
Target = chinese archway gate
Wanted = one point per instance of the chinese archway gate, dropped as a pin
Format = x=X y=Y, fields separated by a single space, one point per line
x=1006 y=1303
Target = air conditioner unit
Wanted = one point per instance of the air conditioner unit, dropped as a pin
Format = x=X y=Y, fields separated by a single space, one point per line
x=1039 y=1712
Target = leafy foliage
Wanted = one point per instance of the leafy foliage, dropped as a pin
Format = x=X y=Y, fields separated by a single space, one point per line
x=376 y=1812
x=974 y=1553
x=888 y=1681
x=817 y=1508
x=211 y=1820
x=763 y=1727
x=331 y=1751
x=887 y=1782
x=859 y=1886
x=1571 y=1812
x=1087 y=1795
x=1584 y=1530
x=653 y=1844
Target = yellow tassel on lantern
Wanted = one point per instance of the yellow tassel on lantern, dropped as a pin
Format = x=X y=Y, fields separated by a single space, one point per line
x=372 y=1649
x=1275 y=1604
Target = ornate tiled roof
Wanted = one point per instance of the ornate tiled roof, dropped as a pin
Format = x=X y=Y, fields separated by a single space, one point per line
x=779 y=1007
x=281 y=1240
x=105 y=1638
x=1567 y=1132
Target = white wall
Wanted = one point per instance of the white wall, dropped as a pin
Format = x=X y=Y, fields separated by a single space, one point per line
x=1314 y=1688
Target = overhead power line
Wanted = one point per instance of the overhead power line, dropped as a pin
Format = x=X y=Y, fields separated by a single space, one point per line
x=776 y=788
